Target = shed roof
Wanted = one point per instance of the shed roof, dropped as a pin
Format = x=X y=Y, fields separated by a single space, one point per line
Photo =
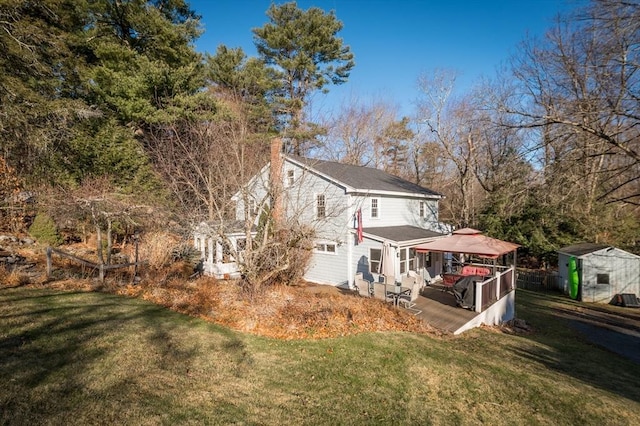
x=360 y=178
x=582 y=249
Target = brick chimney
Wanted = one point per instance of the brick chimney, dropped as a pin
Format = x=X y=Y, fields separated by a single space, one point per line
x=275 y=181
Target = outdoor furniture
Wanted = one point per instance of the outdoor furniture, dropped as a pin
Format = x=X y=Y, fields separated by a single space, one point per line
x=448 y=280
x=475 y=270
x=380 y=292
x=364 y=287
x=408 y=281
x=464 y=290
x=409 y=300
x=395 y=291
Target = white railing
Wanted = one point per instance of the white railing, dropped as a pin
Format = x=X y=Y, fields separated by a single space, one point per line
x=491 y=290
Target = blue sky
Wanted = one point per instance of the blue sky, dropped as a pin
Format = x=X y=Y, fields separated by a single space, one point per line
x=394 y=41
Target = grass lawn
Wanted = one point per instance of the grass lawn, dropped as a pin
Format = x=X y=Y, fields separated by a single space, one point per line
x=93 y=358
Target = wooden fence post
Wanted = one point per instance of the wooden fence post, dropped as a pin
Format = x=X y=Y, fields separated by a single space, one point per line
x=49 y=263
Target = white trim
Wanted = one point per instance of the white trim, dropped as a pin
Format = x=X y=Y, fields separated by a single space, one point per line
x=378 y=261
x=350 y=211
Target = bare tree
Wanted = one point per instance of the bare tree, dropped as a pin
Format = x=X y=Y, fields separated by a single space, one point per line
x=206 y=162
x=581 y=87
x=97 y=203
x=354 y=133
x=448 y=126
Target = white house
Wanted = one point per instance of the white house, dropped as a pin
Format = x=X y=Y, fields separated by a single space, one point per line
x=354 y=211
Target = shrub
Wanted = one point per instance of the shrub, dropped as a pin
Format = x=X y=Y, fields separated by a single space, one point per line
x=45 y=231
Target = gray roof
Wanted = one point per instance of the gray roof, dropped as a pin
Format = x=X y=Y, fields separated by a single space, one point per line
x=582 y=249
x=364 y=178
x=402 y=233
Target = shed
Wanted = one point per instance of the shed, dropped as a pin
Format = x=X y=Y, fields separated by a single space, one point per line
x=604 y=271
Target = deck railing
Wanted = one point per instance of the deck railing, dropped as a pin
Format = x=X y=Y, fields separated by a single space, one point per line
x=493 y=289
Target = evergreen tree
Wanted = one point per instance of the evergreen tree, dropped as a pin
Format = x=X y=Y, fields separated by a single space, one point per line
x=82 y=83
x=307 y=55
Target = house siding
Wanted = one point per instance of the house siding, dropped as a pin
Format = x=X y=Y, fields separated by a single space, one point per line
x=396 y=211
x=301 y=202
x=361 y=253
x=258 y=188
x=329 y=268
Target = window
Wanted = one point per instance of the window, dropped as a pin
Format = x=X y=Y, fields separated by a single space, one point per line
x=325 y=248
x=407 y=260
x=321 y=207
x=241 y=246
x=374 y=260
x=375 y=208
x=423 y=209
x=290 y=177
x=253 y=207
x=412 y=259
x=602 y=279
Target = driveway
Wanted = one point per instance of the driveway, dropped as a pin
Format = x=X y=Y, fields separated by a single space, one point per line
x=619 y=340
x=618 y=332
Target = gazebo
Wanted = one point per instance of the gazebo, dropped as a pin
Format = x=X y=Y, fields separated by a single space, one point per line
x=470 y=241
x=494 y=295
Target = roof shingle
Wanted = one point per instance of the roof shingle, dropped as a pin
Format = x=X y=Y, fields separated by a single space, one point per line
x=364 y=178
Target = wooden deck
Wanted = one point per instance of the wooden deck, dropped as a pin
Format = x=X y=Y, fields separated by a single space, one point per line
x=440 y=311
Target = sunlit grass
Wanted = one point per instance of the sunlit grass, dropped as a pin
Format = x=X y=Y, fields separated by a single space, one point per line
x=91 y=358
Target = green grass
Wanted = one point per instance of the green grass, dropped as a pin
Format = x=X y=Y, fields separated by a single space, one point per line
x=92 y=358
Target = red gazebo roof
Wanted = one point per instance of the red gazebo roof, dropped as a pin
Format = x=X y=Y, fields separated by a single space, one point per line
x=469 y=241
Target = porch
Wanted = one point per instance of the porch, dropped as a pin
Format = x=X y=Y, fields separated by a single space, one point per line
x=439 y=310
x=494 y=304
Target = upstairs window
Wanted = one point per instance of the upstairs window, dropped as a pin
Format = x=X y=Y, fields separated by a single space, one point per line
x=375 y=208
x=321 y=206
x=423 y=209
x=253 y=207
x=290 y=177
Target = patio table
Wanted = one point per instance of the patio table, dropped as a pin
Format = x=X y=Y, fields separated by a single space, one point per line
x=395 y=291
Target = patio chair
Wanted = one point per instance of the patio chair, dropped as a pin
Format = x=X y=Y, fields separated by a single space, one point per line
x=408 y=281
x=364 y=287
x=380 y=292
x=409 y=300
x=388 y=279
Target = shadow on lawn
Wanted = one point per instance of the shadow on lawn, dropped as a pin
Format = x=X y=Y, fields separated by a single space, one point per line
x=59 y=351
x=561 y=347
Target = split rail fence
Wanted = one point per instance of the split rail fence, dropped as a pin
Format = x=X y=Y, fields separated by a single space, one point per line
x=101 y=268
